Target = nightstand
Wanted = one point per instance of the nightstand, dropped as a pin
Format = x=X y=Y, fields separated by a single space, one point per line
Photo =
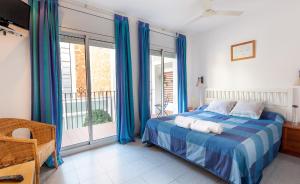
x=291 y=139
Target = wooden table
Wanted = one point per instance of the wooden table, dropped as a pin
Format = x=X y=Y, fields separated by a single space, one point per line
x=27 y=170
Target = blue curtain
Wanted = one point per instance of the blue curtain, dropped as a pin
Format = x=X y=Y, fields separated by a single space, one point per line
x=181 y=67
x=144 y=75
x=45 y=68
x=124 y=100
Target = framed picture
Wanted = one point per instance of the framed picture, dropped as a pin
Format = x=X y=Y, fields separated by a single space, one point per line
x=242 y=51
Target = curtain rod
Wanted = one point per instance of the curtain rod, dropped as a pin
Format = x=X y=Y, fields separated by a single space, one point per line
x=160 y=50
x=86 y=32
x=160 y=32
x=156 y=30
x=79 y=37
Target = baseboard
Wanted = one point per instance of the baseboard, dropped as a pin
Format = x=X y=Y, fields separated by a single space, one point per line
x=95 y=144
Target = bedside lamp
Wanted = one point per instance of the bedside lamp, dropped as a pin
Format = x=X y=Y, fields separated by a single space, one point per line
x=200 y=84
x=297 y=82
x=296 y=100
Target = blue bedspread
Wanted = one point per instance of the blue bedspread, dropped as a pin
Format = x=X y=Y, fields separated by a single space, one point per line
x=238 y=155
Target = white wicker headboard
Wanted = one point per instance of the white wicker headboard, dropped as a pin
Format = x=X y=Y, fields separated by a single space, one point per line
x=278 y=100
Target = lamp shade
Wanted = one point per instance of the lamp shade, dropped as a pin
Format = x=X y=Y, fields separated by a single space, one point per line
x=297 y=82
x=296 y=103
x=296 y=95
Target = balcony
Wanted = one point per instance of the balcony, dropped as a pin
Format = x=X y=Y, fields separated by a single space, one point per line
x=76 y=116
x=79 y=135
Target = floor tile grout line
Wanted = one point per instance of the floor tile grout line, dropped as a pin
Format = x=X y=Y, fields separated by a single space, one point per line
x=138 y=150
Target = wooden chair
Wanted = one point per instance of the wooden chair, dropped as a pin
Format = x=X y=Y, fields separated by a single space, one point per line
x=16 y=151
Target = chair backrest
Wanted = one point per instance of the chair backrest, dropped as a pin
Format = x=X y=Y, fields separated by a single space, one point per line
x=166 y=102
x=8 y=125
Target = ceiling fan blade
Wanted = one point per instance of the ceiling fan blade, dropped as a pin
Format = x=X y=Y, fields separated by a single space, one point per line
x=229 y=13
x=194 y=19
x=207 y=4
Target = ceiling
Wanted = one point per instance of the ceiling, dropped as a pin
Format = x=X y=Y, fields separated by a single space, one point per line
x=173 y=14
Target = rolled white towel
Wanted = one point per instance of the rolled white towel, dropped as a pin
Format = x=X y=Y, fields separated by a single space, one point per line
x=184 y=122
x=215 y=128
x=200 y=127
x=212 y=127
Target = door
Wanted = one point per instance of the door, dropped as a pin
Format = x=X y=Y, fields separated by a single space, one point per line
x=88 y=87
x=103 y=93
x=170 y=83
x=163 y=83
x=74 y=91
x=156 y=84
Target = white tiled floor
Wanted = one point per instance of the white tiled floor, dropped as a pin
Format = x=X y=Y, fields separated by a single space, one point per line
x=136 y=164
x=79 y=135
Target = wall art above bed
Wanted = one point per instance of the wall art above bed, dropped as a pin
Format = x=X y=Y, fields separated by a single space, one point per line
x=242 y=51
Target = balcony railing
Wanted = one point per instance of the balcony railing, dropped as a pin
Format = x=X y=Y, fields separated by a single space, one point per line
x=75 y=108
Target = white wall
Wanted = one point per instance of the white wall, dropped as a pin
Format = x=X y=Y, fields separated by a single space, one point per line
x=277 y=63
x=15 y=79
x=15 y=97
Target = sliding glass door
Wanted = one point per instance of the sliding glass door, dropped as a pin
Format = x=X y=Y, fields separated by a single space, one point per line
x=170 y=83
x=103 y=94
x=156 y=84
x=88 y=86
x=163 y=83
x=74 y=91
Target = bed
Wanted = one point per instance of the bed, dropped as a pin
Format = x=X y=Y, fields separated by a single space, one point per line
x=240 y=153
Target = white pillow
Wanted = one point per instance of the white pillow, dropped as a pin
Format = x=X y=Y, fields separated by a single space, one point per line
x=23 y=133
x=221 y=106
x=248 y=109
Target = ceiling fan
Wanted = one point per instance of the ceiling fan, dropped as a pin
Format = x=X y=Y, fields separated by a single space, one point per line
x=208 y=11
